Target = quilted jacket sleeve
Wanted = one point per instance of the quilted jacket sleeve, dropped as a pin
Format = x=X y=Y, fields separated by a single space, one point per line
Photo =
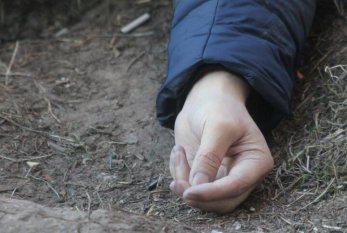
x=257 y=40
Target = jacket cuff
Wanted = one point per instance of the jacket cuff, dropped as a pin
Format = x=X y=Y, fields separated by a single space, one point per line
x=265 y=116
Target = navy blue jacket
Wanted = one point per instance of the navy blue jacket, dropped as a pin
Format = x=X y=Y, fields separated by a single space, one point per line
x=258 y=40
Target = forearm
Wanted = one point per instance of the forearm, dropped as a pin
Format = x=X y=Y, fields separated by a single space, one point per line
x=254 y=41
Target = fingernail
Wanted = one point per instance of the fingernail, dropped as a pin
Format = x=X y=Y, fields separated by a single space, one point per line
x=200 y=178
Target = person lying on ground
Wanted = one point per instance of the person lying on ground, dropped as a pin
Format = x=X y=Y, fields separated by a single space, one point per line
x=229 y=82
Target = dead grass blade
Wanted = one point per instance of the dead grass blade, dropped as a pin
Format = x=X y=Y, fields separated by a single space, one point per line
x=320 y=195
x=9 y=67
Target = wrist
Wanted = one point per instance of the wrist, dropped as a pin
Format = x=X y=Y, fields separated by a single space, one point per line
x=220 y=84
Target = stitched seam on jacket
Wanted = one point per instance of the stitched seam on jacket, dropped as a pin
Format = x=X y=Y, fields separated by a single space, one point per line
x=210 y=31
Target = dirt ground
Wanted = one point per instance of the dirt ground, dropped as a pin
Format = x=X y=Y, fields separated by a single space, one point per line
x=78 y=126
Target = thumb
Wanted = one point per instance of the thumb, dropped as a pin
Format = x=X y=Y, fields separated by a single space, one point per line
x=216 y=139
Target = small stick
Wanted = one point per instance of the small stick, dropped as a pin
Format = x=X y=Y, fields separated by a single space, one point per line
x=286 y=221
x=135 y=23
x=332 y=227
x=115 y=142
x=51 y=111
x=139 y=34
x=171 y=132
x=89 y=203
x=51 y=136
x=102 y=203
x=89 y=212
x=28 y=172
x=24 y=160
x=16 y=74
x=8 y=71
x=287 y=188
x=160 y=191
x=7 y=158
x=320 y=195
x=132 y=62
x=15 y=189
x=13 y=192
x=56 y=147
x=48 y=184
x=330 y=70
x=122 y=35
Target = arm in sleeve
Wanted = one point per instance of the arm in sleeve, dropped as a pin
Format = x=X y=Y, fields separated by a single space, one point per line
x=258 y=40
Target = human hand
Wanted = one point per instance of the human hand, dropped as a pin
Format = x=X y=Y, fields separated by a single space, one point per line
x=220 y=154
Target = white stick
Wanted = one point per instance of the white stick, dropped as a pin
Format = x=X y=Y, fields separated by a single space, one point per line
x=8 y=71
x=135 y=23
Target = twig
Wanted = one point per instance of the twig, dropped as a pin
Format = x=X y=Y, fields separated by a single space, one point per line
x=56 y=147
x=287 y=188
x=13 y=192
x=160 y=191
x=50 y=110
x=24 y=160
x=45 y=134
x=286 y=221
x=138 y=34
x=48 y=184
x=134 y=60
x=116 y=142
x=171 y=132
x=101 y=202
x=299 y=198
x=89 y=204
x=320 y=195
x=28 y=172
x=15 y=189
x=89 y=212
x=340 y=6
x=22 y=126
x=332 y=227
x=329 y=70
x=8 y=71
x=16 y=74
x=7 y=158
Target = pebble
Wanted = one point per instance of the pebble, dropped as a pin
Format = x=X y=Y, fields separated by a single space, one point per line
x=215 y=231
x=237 y=226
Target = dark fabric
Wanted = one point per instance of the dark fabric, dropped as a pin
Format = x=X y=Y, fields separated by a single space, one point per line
x=258 y=40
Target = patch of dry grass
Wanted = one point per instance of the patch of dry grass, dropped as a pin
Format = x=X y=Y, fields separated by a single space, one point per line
x=312 y=146
x=340 y=6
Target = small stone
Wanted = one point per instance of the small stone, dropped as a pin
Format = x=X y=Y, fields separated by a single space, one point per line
x=237 y=226
x=32 y=164
x=215 y=231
